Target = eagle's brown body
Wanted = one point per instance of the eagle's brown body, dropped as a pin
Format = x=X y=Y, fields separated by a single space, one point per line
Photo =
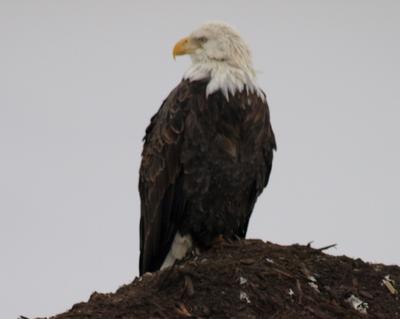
x=205 y=162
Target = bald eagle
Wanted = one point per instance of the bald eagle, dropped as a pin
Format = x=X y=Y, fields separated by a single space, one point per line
x=207 y=152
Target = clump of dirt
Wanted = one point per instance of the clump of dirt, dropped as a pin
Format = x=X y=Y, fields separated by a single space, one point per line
x=254 y=279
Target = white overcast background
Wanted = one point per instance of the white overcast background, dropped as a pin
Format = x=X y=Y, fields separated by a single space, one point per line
x=79 y=81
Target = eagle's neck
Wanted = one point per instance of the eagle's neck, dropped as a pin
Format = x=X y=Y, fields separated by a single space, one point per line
x=222 y=76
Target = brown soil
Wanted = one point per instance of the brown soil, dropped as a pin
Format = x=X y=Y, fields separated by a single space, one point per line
x=253 y=279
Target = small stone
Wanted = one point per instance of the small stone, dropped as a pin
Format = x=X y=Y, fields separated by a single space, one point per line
x=242 y=280
x=358 y=304
x=244 y=297
x=247 y=261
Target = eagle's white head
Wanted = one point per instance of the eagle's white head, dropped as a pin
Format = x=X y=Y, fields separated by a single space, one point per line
x=219 y=53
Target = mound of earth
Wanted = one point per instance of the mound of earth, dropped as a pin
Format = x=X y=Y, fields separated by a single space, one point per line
x=254 y=279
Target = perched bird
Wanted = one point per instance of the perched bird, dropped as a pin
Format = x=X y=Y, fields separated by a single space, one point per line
x=207 y=152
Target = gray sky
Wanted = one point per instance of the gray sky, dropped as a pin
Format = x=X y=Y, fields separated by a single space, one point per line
x=80 y=80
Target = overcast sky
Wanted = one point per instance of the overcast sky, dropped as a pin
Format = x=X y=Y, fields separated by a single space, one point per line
x=80 y=80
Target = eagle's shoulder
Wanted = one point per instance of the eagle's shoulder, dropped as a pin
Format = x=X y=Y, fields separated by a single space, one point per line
x=163 y=136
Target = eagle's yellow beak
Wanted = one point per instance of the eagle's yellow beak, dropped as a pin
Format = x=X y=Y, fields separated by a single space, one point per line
x=184 y=46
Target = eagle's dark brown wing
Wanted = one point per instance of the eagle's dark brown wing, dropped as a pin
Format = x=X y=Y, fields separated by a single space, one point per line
x=160 y=181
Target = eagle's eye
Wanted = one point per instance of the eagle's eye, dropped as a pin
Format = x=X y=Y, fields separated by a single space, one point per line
x=202 y=39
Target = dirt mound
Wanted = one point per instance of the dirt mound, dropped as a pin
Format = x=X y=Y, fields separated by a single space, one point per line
x=253 y=279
